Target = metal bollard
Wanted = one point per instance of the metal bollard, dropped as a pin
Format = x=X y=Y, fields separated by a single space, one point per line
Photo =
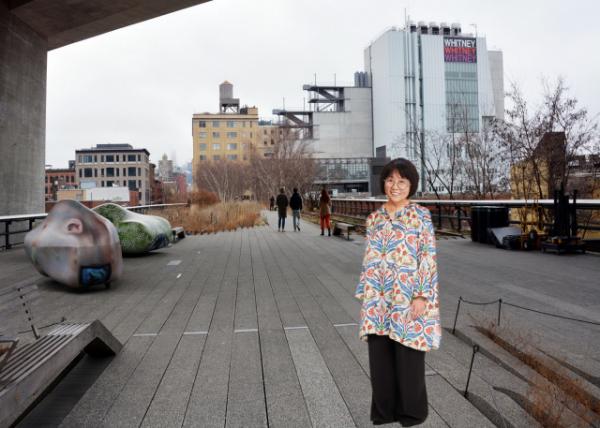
x=499 y=310
x=475 y=350
x=456 y=315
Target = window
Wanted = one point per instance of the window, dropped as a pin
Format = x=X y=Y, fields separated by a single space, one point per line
x=231 y=123
x=203 y=135
x=131 y=171
x=102 y=172
x=232 y=146
x=216 y=146
x=139 y=158
x=102 y=183
x=130 y=158
x=95 y=172
x=117 y=170
x=110 y=172
x=131 y=185
x=80 y=172
x=139 y=172
x=216 y=157
x=202 y=157
x=232 y=157
x=95 y=158
x=109 y=184
x=232 y=135
x=88 y=158
x=124 y=172
x=202 y=124
x=216 y=135
x=251 y=133
x=110 y=158
x=202 y=146
x=46 y=179
x=139 y=184
x=264 y=132
x=216 y=124
x=272 y=142
x=102 y=158
x=117 y=158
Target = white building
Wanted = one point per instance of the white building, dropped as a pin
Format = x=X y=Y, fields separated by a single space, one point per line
x=430 y=80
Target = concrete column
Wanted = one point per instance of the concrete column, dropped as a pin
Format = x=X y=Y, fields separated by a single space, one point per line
x=23 y=57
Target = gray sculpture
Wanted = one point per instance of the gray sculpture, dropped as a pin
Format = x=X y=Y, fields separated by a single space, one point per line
x=75 y=246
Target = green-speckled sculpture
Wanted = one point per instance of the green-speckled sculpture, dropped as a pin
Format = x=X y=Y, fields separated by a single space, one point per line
x=138 y=233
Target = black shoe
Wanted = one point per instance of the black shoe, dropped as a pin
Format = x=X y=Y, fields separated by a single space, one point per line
x=322 y=233
x=328 y=232
x=298 y=228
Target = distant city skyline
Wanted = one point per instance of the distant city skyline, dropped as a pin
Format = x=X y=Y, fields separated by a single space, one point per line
x=140 y=85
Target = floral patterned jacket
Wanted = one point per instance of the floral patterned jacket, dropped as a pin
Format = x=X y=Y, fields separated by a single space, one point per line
x=399 y=265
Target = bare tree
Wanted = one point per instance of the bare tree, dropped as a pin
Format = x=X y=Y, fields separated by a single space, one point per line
x=461 y=161
x=541 y=143
x=290 y=165
x=226 y=178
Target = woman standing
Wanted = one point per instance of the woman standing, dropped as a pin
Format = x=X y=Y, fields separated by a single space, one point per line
x=398 y=288
x=325 y=211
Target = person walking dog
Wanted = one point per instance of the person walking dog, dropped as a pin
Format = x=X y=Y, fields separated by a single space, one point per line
x=398 y=291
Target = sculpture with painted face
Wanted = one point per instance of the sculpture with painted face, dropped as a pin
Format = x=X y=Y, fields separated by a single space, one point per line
x=75 y=246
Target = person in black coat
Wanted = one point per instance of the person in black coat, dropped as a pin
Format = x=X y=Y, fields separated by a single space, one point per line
x=296 y=206
x=282 y=204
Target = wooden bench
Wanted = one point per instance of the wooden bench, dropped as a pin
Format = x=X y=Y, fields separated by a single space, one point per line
x=178 y=233
x=28 y=370
x=340 y=227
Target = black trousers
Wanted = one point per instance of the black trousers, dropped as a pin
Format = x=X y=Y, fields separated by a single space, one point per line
x=398 y=381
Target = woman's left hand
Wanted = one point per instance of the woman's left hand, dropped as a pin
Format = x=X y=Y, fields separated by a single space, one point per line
x=417 y=307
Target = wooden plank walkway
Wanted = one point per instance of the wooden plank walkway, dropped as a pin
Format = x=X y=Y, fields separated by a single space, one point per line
x=256 y=328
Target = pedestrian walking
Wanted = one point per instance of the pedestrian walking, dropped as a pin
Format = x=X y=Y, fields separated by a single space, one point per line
x=398 y=290
x=282 y=204
x=296 y=206
x=272 y=201
x=325 y=211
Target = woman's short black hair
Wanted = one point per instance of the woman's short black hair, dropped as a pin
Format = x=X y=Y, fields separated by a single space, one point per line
x=406 y=169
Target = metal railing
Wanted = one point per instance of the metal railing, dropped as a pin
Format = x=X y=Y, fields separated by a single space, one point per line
x=456 y=212
x=25 y=222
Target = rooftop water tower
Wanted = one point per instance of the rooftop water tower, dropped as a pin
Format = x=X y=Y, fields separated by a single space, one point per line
x=228 y=104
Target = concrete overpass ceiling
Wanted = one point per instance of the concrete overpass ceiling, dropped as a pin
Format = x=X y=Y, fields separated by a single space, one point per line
x=64 y=22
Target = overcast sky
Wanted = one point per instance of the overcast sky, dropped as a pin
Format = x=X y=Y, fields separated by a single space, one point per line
x=141 y=84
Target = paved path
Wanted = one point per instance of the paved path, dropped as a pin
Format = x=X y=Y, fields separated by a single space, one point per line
x=258 y=328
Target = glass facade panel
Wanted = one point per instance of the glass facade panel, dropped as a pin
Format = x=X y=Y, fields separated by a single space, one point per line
x=462 y=107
